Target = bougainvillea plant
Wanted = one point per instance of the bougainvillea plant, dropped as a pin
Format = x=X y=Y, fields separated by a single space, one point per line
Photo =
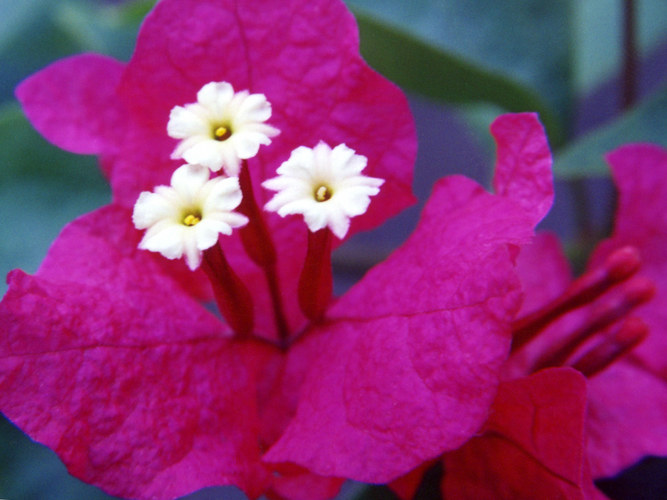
x=619 y=401
x=551 y=432
x=111 y=355
x=619 y=340
x=532 y=446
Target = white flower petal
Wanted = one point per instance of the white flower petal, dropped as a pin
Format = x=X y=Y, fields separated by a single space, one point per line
x=165 y=237
x=207 y=233
x=186 y=122
x=150 y=208
x=186 y=218
x=192 y=253
x=204 y=152
x=189 y=180
x=215 y=96
x=324 y=185
x=241 y=113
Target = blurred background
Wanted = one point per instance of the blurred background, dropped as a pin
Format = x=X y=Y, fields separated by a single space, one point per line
x=595 y=70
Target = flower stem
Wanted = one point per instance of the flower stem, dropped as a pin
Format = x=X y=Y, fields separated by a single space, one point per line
x=629 y=54
x=316 y=280
x=619 y=266
x=254 y=235
x=622 y=340
x=635 y=292
x=231 y=295
x=259 y=246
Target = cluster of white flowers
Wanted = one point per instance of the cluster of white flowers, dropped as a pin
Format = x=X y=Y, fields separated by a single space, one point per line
x=218 y=132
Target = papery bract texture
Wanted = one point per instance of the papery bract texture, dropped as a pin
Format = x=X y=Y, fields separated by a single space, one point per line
x=532 y=446
x=303 y=55
x=73 y=103
x=416 y=356
x=400 y=371
x=628 y=402
x=407 y=363
x=133 y=389
x=523 y=171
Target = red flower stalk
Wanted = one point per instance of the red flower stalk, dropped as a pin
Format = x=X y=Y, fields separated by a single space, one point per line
x=567 y=322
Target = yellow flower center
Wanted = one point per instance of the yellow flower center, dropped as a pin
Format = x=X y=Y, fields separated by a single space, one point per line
x=191 y=219
x=222 y=133
x=323 y=193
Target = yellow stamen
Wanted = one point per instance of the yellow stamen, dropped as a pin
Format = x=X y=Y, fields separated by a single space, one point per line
x=222 y=133
x=191 y=219
x=323 y=193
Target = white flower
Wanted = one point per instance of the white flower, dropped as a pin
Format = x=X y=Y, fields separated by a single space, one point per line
x=221 y=128
x=323 y=184
x=187 y=217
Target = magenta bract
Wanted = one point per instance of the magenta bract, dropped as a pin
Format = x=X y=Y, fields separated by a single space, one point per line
x=532 y=445
x=107 y=354
x=302 y=55
x=627 y=401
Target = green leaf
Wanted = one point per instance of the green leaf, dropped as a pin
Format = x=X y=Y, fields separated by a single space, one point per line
x=98 y=27
x=432 y=72
x=647 y=122
x=34 y=33
x=133 y=13
x=41 y=189
x=525 y=42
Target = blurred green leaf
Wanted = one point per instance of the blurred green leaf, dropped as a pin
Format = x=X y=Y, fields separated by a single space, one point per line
x=524 y=41
x=647 y=122
x=41 y=189
x=31 y=471
x=437 y=74
x=34 y=33
x=133 y=13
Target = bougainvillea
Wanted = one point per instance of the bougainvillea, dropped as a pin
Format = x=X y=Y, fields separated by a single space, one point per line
x=108 y=354
x=628 y=401
x=550 y=432
x=627 y=394
x=532 y=446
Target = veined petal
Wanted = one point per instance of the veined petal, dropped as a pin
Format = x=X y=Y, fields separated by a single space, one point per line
x=411 y=355
x=134 y=377
x=73 y=103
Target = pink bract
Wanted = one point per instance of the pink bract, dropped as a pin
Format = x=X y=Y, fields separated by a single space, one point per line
x=418 y=355
x=640 y=174
x=533 y=445
x=303 y=55
x=107 y=354
x=627 y=401
x=432 y=337
x=367 y=386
